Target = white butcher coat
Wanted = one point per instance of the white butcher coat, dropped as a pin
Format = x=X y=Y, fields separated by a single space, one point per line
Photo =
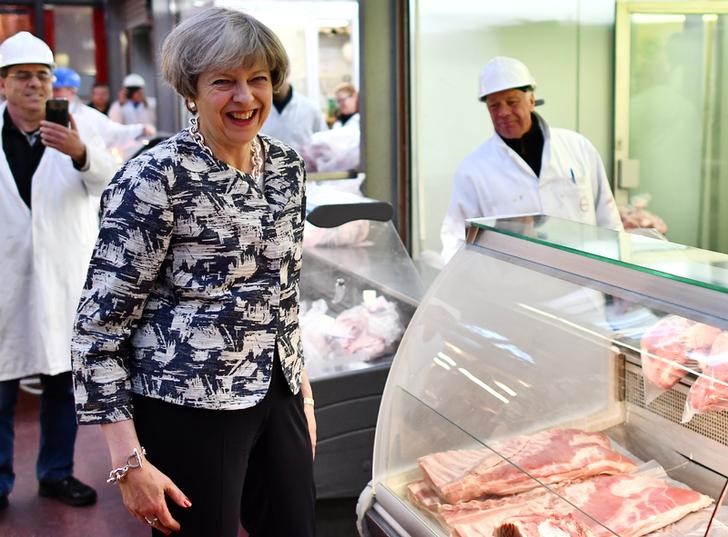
x=295 y=125
x=44 y=256
x=112 y=133
x=495 y=181
x=128 y=114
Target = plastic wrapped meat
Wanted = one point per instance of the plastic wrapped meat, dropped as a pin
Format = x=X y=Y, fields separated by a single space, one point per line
x=710 y=391
x=664 y=351
x=348 y=234
x=636 y=215
x=699 y=340
x=317 y=347
x=369 y=330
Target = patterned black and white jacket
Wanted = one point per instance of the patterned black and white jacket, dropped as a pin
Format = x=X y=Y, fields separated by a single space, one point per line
x=193 y=281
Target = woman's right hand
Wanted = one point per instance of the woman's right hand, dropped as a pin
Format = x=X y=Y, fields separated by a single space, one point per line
x=143 y=491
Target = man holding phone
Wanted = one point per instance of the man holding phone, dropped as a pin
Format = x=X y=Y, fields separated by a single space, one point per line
x=50 y=177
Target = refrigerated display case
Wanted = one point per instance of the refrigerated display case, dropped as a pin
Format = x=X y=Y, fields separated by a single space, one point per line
x=359 y=290
x=558 y=379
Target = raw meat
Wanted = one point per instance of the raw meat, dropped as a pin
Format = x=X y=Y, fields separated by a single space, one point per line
x=542 y=526
x=347 y=234
x=627 y=505
x=515 y=465
x=710 y=391
x=423 y=496
x=699 y=340
x=370 y=330
x=632 y=505
x=664 y=351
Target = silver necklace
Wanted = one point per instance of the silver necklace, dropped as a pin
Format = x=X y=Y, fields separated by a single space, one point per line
x=255 y=152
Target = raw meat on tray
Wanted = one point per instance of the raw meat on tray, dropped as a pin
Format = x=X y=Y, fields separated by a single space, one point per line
x=632 y=505
x=627 y=505
x=550 y=456
x=559 y=482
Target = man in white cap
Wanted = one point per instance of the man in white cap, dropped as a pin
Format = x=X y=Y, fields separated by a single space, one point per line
x=526 y=167
x=50 y=177
x=133 y=106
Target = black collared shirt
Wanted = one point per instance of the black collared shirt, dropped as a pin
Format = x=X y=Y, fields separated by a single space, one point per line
x=343 y=118
x=529 y=146
x=22 y=156
x=104 y=110
x=281 y=101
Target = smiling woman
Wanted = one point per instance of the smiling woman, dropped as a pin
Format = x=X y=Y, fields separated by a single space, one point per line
x=187 y=339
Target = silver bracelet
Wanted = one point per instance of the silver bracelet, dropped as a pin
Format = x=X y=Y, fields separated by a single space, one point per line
x=308 y=401
x=132 y=461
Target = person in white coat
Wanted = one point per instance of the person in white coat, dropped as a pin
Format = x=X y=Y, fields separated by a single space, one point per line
x=337 y=149
x=293 y=118
x=526 y=167
x=119 y=139
x=133 y=106
x=50 y=177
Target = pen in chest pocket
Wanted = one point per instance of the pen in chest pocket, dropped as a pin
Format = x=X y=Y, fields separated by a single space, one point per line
x=571 y=174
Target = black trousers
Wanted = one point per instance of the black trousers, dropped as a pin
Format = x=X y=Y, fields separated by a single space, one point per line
x=251 y=466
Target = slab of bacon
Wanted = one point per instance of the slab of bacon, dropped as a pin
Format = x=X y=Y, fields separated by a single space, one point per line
x=515 y=465
x=632 y=505
x=664 y=350
x=628 y=505
x=710 y=391
x=423 y=496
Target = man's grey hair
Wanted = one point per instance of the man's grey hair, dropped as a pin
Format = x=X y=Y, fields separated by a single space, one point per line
x=219 y=39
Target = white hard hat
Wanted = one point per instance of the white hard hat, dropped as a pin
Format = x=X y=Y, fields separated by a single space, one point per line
x=24 y=47
x=133 y=80
x=502 y=73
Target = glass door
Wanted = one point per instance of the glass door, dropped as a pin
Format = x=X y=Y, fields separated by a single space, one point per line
x=671 y=133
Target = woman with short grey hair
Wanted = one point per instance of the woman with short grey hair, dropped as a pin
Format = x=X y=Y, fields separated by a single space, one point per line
x=187 y=346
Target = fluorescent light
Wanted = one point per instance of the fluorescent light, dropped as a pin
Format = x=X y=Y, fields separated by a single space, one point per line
x=446 y=358
x=482 y=384
x=505 y=388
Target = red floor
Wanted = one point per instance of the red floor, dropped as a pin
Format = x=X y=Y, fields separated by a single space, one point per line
x=32 y=516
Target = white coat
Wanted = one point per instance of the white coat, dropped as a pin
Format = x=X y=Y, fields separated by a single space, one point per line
x=296 y=123
x=336 y=149
x=129 y=114
x=112 y=133
x=45 y=254
x=119 y=139
x=495 y=181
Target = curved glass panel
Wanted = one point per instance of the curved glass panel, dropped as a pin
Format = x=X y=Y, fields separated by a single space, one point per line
x=520 y=396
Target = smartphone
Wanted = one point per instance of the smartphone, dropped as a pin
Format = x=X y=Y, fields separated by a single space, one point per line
x=57 y=111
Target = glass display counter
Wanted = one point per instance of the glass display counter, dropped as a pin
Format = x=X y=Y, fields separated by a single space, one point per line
x=558 y=379
x=359 y=290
